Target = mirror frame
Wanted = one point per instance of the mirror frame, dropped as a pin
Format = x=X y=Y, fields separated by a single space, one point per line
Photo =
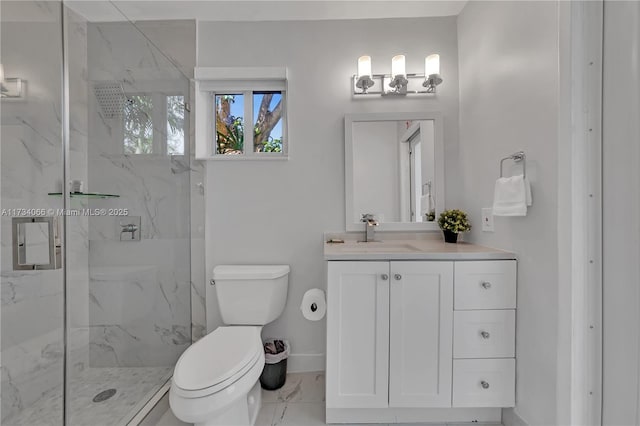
x=436 y=116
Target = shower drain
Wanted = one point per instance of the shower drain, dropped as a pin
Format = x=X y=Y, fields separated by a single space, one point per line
x=104 y=395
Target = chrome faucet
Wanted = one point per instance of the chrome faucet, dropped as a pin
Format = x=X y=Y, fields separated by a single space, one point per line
x=370 y=229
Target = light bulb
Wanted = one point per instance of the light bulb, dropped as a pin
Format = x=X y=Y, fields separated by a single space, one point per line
x=364 y=66
x=432 y=65
x=397 y=66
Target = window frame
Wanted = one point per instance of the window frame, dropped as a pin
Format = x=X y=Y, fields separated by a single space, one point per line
x=250 y=119
x=210 y=82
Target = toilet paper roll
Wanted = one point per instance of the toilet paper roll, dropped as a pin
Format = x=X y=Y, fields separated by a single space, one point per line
x=314 y=305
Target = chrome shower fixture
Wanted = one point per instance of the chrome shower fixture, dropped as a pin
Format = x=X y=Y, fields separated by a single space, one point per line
x=111 y=98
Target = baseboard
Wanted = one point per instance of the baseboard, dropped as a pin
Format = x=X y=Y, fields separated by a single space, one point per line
x=303 y=363
x=413 y=415
x=511 y=418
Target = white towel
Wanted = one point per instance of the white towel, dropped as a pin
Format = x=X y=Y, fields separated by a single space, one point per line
x=511 y=196
x=527 y=188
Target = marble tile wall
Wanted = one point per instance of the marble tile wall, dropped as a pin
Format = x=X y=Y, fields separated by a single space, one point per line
x=139 y=309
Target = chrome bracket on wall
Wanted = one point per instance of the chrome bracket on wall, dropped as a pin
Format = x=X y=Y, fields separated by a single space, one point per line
x=30 y=235
x=130 y=228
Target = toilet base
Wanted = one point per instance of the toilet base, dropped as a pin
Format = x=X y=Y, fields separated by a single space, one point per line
x=243 y=412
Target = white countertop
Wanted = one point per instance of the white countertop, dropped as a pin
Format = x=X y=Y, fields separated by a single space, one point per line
x=419 y=246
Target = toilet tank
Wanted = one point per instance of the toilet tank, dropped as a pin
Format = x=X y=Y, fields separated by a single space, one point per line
x=251 y=294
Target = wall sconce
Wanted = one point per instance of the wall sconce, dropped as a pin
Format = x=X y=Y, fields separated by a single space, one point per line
x=432 y=72
x=399 y=82
x=11 y=88
x=364 y=80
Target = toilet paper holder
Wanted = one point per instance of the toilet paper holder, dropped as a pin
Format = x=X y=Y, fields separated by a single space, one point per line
x=314 y=305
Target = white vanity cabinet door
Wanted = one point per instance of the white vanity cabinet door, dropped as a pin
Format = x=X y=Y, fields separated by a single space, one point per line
x=421 y=334
x=357 y=334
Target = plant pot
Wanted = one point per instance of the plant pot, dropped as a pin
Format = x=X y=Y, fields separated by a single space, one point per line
x=450 y=237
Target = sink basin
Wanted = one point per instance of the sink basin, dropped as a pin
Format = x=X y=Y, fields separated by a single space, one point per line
x=377 y=247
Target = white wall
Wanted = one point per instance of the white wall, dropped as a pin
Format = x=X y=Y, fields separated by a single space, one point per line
x=621 y=212
x=276 y=212
x=508 y=101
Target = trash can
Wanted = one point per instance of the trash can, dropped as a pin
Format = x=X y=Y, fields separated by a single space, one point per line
x=276 y=352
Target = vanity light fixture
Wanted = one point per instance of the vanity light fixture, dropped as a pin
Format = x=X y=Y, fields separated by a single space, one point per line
x=364 y=80
x=11 y=88
x=398 y=75
x=399 y=82
x=432 y=72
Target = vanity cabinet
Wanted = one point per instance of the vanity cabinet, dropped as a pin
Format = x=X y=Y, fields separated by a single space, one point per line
x=484 y=334
x=434 y=336
x=390 y=331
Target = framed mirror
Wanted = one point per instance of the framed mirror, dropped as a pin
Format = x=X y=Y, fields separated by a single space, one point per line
x=394 y=169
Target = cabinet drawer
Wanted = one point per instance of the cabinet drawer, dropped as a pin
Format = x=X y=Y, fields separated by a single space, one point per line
x=484 y=382
x=484 y=334
x=485 y=285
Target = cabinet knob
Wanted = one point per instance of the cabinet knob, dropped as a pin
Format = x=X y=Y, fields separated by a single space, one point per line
x=398 y=277
x=485 y=385
x=485 y=334
x=486 y=285
x=384 y=277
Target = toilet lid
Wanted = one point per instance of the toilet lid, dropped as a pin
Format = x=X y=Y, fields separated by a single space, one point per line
x=216 y=357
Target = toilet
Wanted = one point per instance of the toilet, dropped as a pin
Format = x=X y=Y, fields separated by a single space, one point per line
x=215 y=381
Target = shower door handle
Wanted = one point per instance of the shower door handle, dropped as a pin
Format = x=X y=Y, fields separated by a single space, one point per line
x=20 y=243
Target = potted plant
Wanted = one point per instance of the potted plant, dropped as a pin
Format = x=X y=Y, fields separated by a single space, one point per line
x=452 y=222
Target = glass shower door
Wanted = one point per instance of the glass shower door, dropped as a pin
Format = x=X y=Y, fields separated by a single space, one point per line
x=128 y=284
x=31 y=167
x=96 y=294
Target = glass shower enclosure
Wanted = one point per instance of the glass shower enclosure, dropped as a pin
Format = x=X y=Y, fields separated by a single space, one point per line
x=95 y=198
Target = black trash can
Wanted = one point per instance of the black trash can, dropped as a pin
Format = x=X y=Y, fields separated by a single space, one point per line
x=274 y=375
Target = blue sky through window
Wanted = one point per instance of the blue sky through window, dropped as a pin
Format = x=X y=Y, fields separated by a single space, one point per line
x=237 y=110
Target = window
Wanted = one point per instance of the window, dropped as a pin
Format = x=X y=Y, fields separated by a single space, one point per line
x=267 y=127
x=241 y=113
x=143 y=131
x=263 y=109
x=175 y=125
x=138 y=125
x=229 y=111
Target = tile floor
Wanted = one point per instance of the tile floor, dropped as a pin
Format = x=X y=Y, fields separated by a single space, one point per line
x=134 y=386
x=300 y=402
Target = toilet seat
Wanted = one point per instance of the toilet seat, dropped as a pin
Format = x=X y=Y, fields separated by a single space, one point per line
x=217 y=361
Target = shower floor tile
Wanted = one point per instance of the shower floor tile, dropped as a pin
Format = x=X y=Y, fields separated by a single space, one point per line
x=134 y=386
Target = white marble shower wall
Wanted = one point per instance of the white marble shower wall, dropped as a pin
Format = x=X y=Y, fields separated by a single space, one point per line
x=139 y=291
x=31 y=156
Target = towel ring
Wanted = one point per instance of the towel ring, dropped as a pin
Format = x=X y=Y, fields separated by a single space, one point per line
x=517 y=157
